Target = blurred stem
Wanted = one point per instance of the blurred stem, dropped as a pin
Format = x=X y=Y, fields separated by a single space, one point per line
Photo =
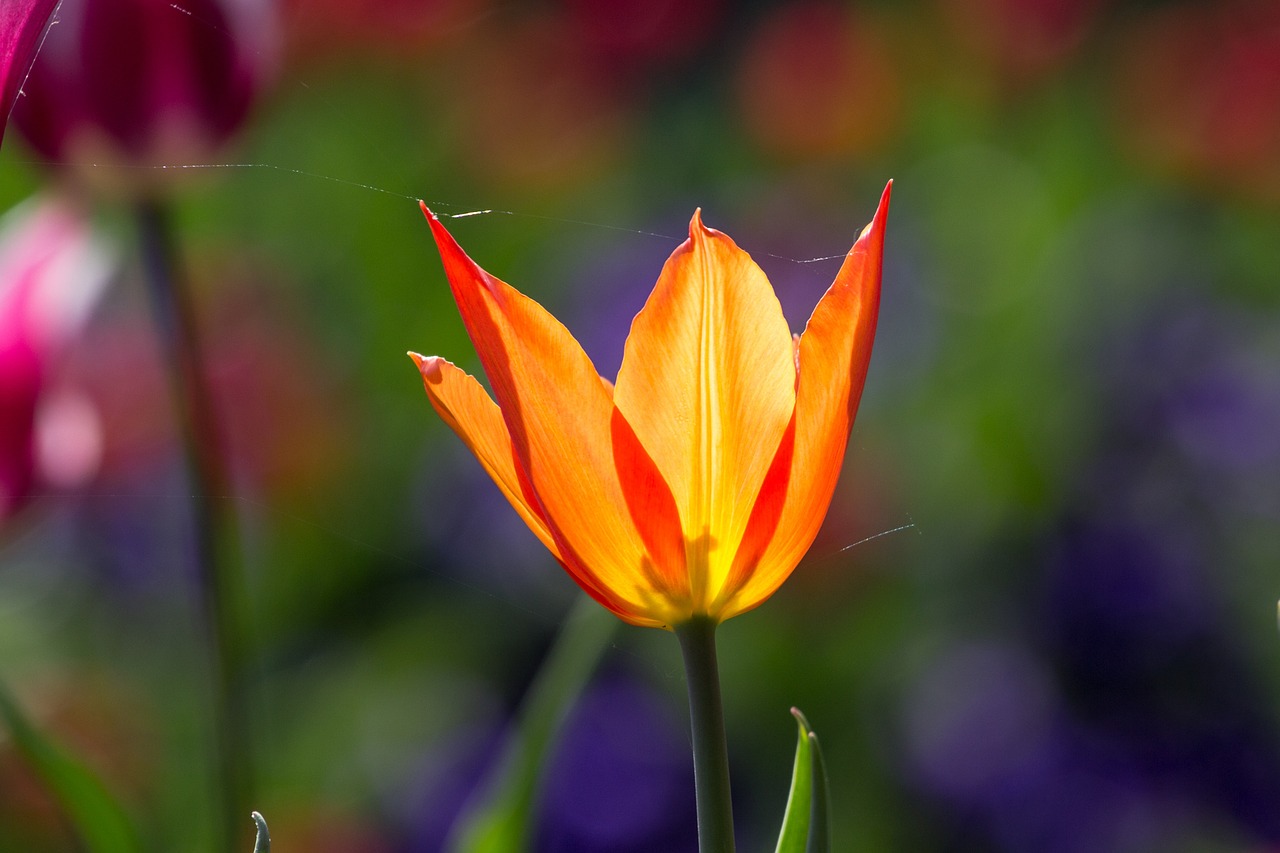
x=501 y=823
x=209 y=486
x=710 y=747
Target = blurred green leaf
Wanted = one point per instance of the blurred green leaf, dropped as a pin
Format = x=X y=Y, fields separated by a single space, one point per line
x=795 y=821
x=820 y=826
x=501 y=822
x=262 y=844
x=100 y=822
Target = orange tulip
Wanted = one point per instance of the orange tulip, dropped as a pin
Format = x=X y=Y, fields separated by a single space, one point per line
x=693 y=485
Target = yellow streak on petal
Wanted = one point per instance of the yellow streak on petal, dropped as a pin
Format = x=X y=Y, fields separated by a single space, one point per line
x=708 y=383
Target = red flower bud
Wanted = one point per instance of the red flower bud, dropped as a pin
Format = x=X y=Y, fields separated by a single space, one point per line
x=141 y=82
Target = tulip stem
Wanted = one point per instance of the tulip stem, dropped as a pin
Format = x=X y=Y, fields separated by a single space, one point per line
x=710 y=747
x=213 y=529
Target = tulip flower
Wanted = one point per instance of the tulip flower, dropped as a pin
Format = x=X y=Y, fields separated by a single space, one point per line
x=693 y=485
x=22 y=23
x=52 y=270
x=685 y=492
x=143 y=83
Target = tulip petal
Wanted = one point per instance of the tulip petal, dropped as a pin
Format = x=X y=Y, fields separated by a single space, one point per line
x=832 y=360
x=466 y=408
x=708 y=383
x=21 y=24
x=609 y=513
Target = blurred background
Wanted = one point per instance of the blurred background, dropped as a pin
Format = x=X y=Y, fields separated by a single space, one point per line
x=1074 y=402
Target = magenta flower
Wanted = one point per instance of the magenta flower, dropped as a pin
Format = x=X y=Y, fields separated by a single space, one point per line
x=51 y=271
x=22 y=22
x=139 y=82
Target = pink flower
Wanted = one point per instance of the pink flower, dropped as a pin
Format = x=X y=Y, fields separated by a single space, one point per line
x=51 y=271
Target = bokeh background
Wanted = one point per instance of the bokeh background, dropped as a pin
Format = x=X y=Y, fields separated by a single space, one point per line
x=1074 y=402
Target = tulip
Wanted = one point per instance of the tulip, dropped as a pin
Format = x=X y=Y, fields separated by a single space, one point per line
x=125 y=87
x=145 y=83
x=52 y=270
x=685 y=492
x=22 y=23
x=693 y=486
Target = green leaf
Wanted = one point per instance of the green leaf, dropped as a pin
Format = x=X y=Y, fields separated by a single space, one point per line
x=95 y=816
x=795 y=821
x=262 y=844
x=500 y=821
x=820 y=828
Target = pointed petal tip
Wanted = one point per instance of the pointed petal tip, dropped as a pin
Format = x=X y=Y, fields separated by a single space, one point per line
x=696 y=225
x=878 y=221
x=428 y=365
x=444 y=240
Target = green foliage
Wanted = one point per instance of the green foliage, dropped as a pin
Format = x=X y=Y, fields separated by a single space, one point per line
x=262 y=844
x=806 y=824
x=501 y=822
x=820 y=826
x=93 y=813
x=799 y=813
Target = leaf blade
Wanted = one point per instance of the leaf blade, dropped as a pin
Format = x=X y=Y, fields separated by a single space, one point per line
x=797 y=818
x=820 y=828
x=500 y=819
x=97 y=818
x=262 y=843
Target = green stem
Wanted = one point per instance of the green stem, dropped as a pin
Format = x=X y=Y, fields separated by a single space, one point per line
x=710 y=747
x=206 y=470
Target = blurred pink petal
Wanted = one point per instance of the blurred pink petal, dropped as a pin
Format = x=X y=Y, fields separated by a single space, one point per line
x=51 y=272
x=68 y=439
x=21 y=24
